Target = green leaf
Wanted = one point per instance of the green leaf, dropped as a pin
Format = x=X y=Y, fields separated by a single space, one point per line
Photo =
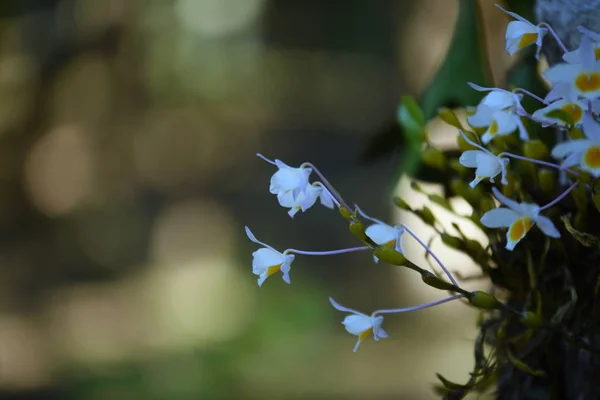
x=412 y=124
x=466 y=61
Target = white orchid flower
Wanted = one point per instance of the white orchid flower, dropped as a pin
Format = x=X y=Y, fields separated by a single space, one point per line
x=519 y=218
x=268 y=261
x=383 y=234
x=500 y=112
x=582 y=76
x=361 y=325
x=287 y=179
x=522 y=33
x=574 y=108
x=486 y=163
x=582 y=152
x=305 y=199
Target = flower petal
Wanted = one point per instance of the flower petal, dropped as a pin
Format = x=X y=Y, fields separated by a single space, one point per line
x=488 y=165
x=255 y=240
x=469 y=158
x=339 y=307
x=546 y=226
x=517 y=231
x=515 y=205
x=326 y=199
x=357 y=324
x=591 y=127
x=563 y=149
x=265 y=258
x=311 y=194
x=381 y=233
x=501 y=217
x=561 y=73
x=482 y=117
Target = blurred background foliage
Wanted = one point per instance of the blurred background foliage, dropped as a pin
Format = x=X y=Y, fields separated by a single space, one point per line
x=128 y=133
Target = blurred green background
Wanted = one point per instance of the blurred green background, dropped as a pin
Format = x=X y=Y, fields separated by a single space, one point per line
x=128 y=133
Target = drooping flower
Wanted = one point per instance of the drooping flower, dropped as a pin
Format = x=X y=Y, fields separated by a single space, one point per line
x=305 y=199
x=583 y=75
x=522 y=33
x=486 y=163
x=519 y=218
x=288 y=179
x=361 y=325
x=268 y=261
x=500 y=112
x=582 y=152
x=384 y=234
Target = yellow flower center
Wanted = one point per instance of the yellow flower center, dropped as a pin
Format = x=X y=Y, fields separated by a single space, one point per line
x=574 y=111
x=527 y=39
x=588 y=82
x=592 y=157
x=519 y=228
x=493 y=128
x=597 y=53
x=391 y=243
x=365 y=334
x=273 y=269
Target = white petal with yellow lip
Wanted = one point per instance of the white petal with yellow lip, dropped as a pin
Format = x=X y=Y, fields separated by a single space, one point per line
x=503 y=123
x=384 y=234
x=573 y=108
x=268 y=261
x=361 y=325
x=590 y=160
x=517 y=231
x=519 y=218
x=520 y=34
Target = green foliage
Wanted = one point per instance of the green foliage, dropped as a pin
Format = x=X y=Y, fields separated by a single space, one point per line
x=465 y=61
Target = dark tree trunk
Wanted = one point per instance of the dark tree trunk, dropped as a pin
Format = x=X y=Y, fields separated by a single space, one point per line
x=571 y=371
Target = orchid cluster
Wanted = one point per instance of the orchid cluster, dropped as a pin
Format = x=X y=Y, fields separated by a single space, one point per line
x=500 y=128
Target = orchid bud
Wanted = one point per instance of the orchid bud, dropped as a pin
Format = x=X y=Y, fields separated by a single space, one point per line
x=513 y=185
x=483 y=300
x=389 y=255
x=535 y=149
x=547 y=180
x=358 y=229
x=345 y=213
x=580 y=197
x=531 y=320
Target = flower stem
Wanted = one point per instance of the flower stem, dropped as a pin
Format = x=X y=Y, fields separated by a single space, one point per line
x=545 y=163
x=327 y=185
x=435 y=257
x=419 y=307
x=559 y=198
x=555 y=35
x=528 y=93
x=327 y=253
